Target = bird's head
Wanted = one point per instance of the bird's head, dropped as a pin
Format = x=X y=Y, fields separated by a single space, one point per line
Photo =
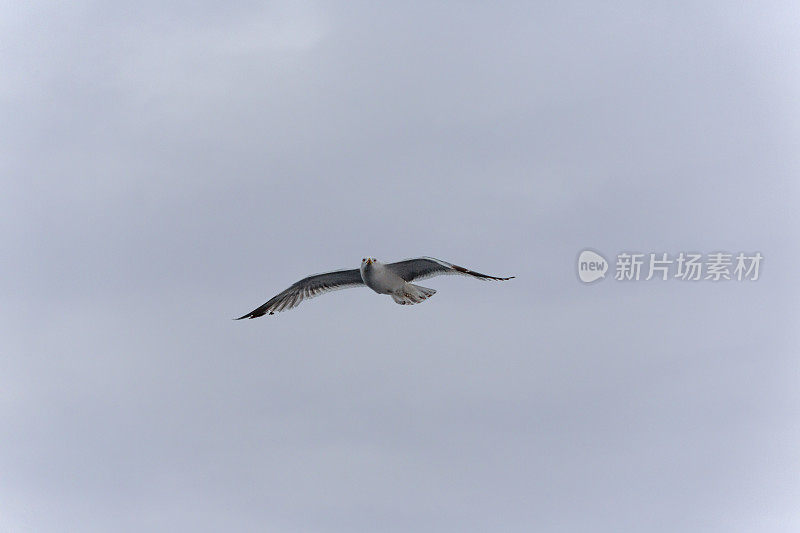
x=368 y=260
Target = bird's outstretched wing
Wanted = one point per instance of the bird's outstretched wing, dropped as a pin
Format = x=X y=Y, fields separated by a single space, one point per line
x=308 y=288
x=428 y=267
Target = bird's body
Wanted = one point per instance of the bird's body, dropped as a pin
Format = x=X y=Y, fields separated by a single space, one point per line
x=379 y=278
x=384 y=280
x=392 y=279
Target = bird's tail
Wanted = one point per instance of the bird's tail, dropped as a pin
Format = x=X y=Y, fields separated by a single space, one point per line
x=412 y=294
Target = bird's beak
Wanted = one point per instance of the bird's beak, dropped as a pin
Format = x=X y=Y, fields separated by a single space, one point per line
x=369 y=261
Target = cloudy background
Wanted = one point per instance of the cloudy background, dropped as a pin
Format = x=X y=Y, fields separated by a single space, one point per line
x=165 y=168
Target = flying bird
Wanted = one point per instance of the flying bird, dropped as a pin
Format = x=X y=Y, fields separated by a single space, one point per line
x=393 y=279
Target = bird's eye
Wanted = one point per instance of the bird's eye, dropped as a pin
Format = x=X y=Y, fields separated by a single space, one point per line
x=363 y=259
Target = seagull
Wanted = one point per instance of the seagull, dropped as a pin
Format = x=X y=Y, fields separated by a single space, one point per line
x=393 y=279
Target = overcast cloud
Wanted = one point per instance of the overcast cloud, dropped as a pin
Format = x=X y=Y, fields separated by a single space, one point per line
x=166 y=168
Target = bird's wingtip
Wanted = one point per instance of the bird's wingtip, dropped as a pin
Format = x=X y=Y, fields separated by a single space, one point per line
x=254 y=314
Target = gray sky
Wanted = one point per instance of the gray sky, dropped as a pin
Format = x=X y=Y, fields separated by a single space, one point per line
x=168 y=167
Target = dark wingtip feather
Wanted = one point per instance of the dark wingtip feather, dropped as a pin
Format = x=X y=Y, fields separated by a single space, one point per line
x=498 y=278
x=478 y=274
x=252 y=314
